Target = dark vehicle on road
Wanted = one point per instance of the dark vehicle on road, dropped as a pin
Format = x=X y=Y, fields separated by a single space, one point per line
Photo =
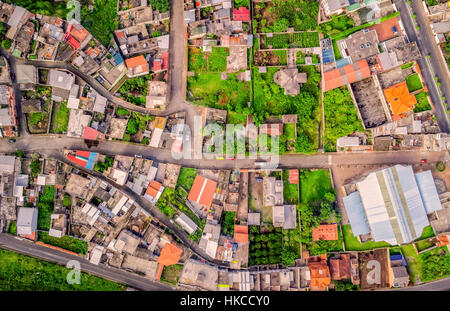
x=11 y=141
x=13 y=76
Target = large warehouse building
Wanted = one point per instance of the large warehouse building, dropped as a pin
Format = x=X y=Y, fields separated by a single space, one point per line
x=392 y=204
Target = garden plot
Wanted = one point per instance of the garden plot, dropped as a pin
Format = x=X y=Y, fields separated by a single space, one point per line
x=214 y=61
x=290 y=40
x=278 y=15
x=270 y=58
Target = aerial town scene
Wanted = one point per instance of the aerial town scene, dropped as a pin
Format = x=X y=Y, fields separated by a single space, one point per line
x=224 y=145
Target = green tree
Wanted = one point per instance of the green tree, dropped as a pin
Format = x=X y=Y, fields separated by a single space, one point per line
x=287 y=258
x=6 y=44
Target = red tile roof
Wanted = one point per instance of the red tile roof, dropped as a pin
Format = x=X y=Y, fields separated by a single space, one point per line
x=90 y=133
x=340 y=268
x=240 y=234
x=243 y=14
x=170 y=254
x=202 y=191
x=320 y=274
x=136 y=61
x=165 y=60
x=385 y=29
x=293 y=176
x=347 y=74
x=325 y=232
x=153 y=188
x=81 y=153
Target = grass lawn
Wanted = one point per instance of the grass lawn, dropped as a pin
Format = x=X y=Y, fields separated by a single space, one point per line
x=412 y=261
x=61 y=118
x=289 y=131
x=186 y=177
x=413 y=82
x=353 y=244
x=426 y=233
x=23 y=273
x=290 y=191
x=122 y=111
x=423 y=103
x=171 y=274
x=208 y=89
x=106 y=12
x=236 y=118
x=423 y=245
x=314 y=185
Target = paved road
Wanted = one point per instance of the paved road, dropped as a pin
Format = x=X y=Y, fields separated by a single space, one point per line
x=441 y=285
x=120 y=276
x=427 y=46
x=40 y=143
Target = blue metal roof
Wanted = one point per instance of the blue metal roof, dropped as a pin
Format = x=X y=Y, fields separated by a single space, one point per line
x=91 y=160
x=428 y=191
x=399 y=257
x=342 y=62
x=356 y=214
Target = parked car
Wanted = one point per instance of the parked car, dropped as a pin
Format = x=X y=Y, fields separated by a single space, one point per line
x=13 y=76
x=423 y=161
x=11 y=141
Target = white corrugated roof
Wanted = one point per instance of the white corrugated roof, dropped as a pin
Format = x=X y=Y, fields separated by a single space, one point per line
x=428 y=191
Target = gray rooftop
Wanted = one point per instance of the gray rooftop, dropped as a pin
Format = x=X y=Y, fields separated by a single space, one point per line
x=428 y=191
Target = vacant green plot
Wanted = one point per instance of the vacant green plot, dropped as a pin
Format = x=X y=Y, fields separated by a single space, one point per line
x=292 y=40
x=123 y=112
x=45 y=207
x=423 y=104
x=208 y=89
x=23 y=273
x=61 y=118
x=217 y=59
x=353 y=244
x=314 y=185
x=289 y=131
x=12 y=229
x=171 y=274
x=282 y=56
x=236 y=118
x=102 y=21
x=135 y=90
x=66 y=242
x=435 y=264
x=412 y=261
x=36 y=117
x=290 y=191
x=341 y=117
x=408 y=65
x=413 y=82
x=423 y=245
x=186 y=177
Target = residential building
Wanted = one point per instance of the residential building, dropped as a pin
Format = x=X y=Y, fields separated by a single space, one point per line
x=320 y=273
x=360 y=45
x=325 y=232
x=202 y=191
x=8 y=119
x=76 y=35
x=241 y=14
x=137 y=66
x=290 y=80
x=170 y=254
x=27 y=222
x=273 y=192
x=346 y=75
x=210 y=239
x=61 y=83
x=154 y=191
x=240 y=234
x=340 y=267
x=186 y=223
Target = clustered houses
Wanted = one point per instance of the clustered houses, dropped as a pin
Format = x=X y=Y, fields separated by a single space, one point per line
x=8 y=119
x=140 y=46
x=379 y=67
